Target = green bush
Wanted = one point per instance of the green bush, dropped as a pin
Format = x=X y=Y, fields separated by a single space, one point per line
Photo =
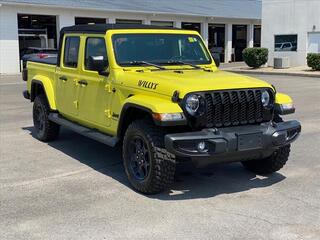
x=313 y=60
x=255 y=57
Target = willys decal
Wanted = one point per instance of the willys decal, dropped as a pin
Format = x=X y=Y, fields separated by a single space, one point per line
x=147 y=84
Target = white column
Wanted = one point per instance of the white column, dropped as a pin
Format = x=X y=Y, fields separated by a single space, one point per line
x=146 y=21
x=228 y=43
x=111 y=20
x=9 y=41
x=205 y=31
x=250 y=35
x=65 y=20
x=177 y=24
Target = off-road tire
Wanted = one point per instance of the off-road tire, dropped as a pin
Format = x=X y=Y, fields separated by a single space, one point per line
x=271 y=164
x=162 y=163
x=48 y=131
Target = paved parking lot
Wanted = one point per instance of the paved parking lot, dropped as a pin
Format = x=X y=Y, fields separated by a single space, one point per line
x=75 y=188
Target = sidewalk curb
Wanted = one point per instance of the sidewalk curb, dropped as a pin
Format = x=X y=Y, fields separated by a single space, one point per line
x=272 y=73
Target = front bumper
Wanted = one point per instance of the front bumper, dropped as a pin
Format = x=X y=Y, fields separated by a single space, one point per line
x=232 y=143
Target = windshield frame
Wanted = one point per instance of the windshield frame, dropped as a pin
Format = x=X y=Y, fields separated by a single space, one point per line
x=181 y=32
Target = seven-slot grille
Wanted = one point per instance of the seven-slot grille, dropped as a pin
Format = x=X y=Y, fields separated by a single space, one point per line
x=234 y=107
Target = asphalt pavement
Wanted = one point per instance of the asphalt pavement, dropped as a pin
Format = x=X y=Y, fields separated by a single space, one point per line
x=75 y=188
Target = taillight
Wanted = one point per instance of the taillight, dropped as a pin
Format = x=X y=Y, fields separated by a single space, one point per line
x=42 y=55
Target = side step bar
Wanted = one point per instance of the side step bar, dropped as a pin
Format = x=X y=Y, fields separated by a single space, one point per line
x=88 y=132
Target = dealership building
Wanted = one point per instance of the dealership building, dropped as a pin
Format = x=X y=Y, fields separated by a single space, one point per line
x=291 y=29
x=227 y=26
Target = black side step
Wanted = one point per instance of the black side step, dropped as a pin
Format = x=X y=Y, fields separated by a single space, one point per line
x=90 y=133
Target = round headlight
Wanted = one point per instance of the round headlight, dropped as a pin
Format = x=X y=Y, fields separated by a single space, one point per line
x=192 y=104
x=265 y=98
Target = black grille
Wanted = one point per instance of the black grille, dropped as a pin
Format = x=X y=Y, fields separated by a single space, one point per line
x=235 y=107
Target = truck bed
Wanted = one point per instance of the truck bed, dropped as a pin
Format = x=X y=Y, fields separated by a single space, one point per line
x=49 y=60
x=43 y=70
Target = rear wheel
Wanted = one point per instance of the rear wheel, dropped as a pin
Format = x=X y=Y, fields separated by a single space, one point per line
x=148 y=165
x=45 y=130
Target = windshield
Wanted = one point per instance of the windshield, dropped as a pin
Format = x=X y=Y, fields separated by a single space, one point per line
x=164 y=49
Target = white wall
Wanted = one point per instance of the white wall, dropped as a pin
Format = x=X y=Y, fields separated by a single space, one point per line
x=289 y=17
x=9 y=44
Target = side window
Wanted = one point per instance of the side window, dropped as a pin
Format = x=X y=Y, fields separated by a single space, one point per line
x=71 y=52
x=95 y=49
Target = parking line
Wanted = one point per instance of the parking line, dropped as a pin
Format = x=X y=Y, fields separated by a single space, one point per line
x=14 y=83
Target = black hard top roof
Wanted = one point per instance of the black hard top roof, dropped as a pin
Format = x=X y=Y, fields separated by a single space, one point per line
x=103 y=28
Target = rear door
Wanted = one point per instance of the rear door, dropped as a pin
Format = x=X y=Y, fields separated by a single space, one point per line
x=94 y=89
x=67 y=77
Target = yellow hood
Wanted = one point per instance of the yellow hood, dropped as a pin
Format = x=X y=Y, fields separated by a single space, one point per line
x=166 y=82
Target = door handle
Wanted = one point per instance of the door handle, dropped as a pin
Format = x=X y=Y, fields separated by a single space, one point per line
x=83 y=82
x=63 y=78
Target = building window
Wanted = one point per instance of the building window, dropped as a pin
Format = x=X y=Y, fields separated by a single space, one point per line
x=286 y=43
x=257 y=36
x=314 y=42
x=191 y=26
x=85 y=20
x=71 y=52
x=239 y=41
x=162 y=23
x=36 y=32
x=216 y=40
x=128 y=21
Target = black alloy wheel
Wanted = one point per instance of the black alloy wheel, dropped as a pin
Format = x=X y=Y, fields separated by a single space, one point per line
x=149 y=166
x=139 y=158
x=39 y=119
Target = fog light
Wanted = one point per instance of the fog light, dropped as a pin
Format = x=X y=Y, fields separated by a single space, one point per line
x=202 y=147
x=280 y=138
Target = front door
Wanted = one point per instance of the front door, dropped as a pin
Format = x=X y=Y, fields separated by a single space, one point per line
x=94 y=89
x=67 y=77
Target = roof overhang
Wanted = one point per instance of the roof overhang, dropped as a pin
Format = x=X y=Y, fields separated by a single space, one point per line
x=148 y=13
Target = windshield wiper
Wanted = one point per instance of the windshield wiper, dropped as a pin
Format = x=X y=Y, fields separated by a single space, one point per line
x=184 y=63
x=140 y=63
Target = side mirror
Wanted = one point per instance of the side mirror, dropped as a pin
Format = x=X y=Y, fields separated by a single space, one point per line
x=98 y=64
x=216 y=58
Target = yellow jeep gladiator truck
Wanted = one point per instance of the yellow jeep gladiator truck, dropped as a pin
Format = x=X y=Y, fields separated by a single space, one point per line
x=158 y=92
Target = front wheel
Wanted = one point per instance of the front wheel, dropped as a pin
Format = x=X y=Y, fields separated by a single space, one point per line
x=271 y=164
x=149 y=166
